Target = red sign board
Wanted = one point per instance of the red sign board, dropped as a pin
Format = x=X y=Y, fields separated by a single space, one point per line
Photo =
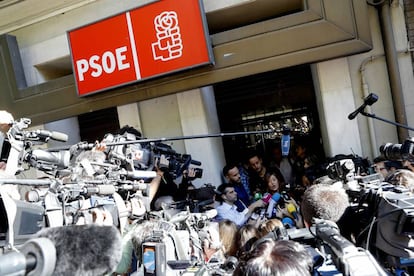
x=157 y=39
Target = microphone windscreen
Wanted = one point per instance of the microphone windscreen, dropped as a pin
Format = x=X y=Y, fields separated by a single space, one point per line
x=276 y=197
x=266 y=198
x=85 y=249
x=59 y=136
x=211 y=213
x=291 y=208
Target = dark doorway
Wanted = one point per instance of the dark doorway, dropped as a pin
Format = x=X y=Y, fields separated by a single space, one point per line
x=94 y=125
x=276 y=99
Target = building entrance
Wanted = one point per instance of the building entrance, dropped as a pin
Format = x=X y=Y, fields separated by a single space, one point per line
x=281 y=99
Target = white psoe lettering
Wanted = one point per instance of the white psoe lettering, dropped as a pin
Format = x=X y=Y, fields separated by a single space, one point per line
x=108 y=63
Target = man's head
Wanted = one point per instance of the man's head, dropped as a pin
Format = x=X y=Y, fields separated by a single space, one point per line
x=277 y=258
x=231 y=173
x=324 y=202
x=402 y=177
x=379 y=166
x=256 y=163
x=6 y=121
x=227 y=193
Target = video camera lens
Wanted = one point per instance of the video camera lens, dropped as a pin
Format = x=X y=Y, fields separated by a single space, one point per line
x=398 y=152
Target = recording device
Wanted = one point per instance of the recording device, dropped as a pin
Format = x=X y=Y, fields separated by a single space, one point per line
x=348 y=258
x=391 y=233
x=285 y=141
x=78 y=249
x=369 y=100
x=19 y=220
x=45 y=135
x=272 y=204
x=198 y=172
x=398 y=152
x=35 y=257
x=341 y=170
x=153 y=258
x=291 y=208
x=176 y=163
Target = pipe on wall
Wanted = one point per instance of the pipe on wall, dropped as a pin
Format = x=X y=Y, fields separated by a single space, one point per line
x=391 y=58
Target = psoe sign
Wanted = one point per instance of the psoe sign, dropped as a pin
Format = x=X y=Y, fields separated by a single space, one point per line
x=157 y=39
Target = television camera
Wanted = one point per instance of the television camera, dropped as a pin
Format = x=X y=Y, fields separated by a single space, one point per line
x=384 y=211
x=332 y=253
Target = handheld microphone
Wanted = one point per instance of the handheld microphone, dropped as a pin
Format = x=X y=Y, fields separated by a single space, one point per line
x=266 y=198
x=291 y=208
x=272 y=202
x=288 y=223
x=84 y=249
x=369 y=100
x=285 y=141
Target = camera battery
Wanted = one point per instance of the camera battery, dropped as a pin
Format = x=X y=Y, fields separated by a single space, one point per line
x=153 y=258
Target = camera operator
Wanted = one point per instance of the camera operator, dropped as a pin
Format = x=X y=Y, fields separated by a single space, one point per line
x=323 y=202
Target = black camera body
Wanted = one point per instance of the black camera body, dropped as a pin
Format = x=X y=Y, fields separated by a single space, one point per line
x=398 y=152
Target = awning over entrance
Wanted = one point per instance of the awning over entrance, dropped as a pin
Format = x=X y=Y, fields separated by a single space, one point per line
x=319 y=30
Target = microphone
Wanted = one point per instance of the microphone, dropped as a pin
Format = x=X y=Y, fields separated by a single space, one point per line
x=272 y=202
x=369 y=100
x=207 y=215
x=195 y=162
x=140 y=174
x=59 y=158
x=58 y=136
x=288 y=223
x=266 y=198
x=35 y=257
x=285 y=141
x=291 y=208
x=84 y=249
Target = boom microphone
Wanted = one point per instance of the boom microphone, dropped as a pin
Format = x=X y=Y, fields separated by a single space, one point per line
x=369 y=100
x=84 y=249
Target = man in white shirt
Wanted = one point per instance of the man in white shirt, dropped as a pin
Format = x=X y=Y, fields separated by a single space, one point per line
x=228 y=210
